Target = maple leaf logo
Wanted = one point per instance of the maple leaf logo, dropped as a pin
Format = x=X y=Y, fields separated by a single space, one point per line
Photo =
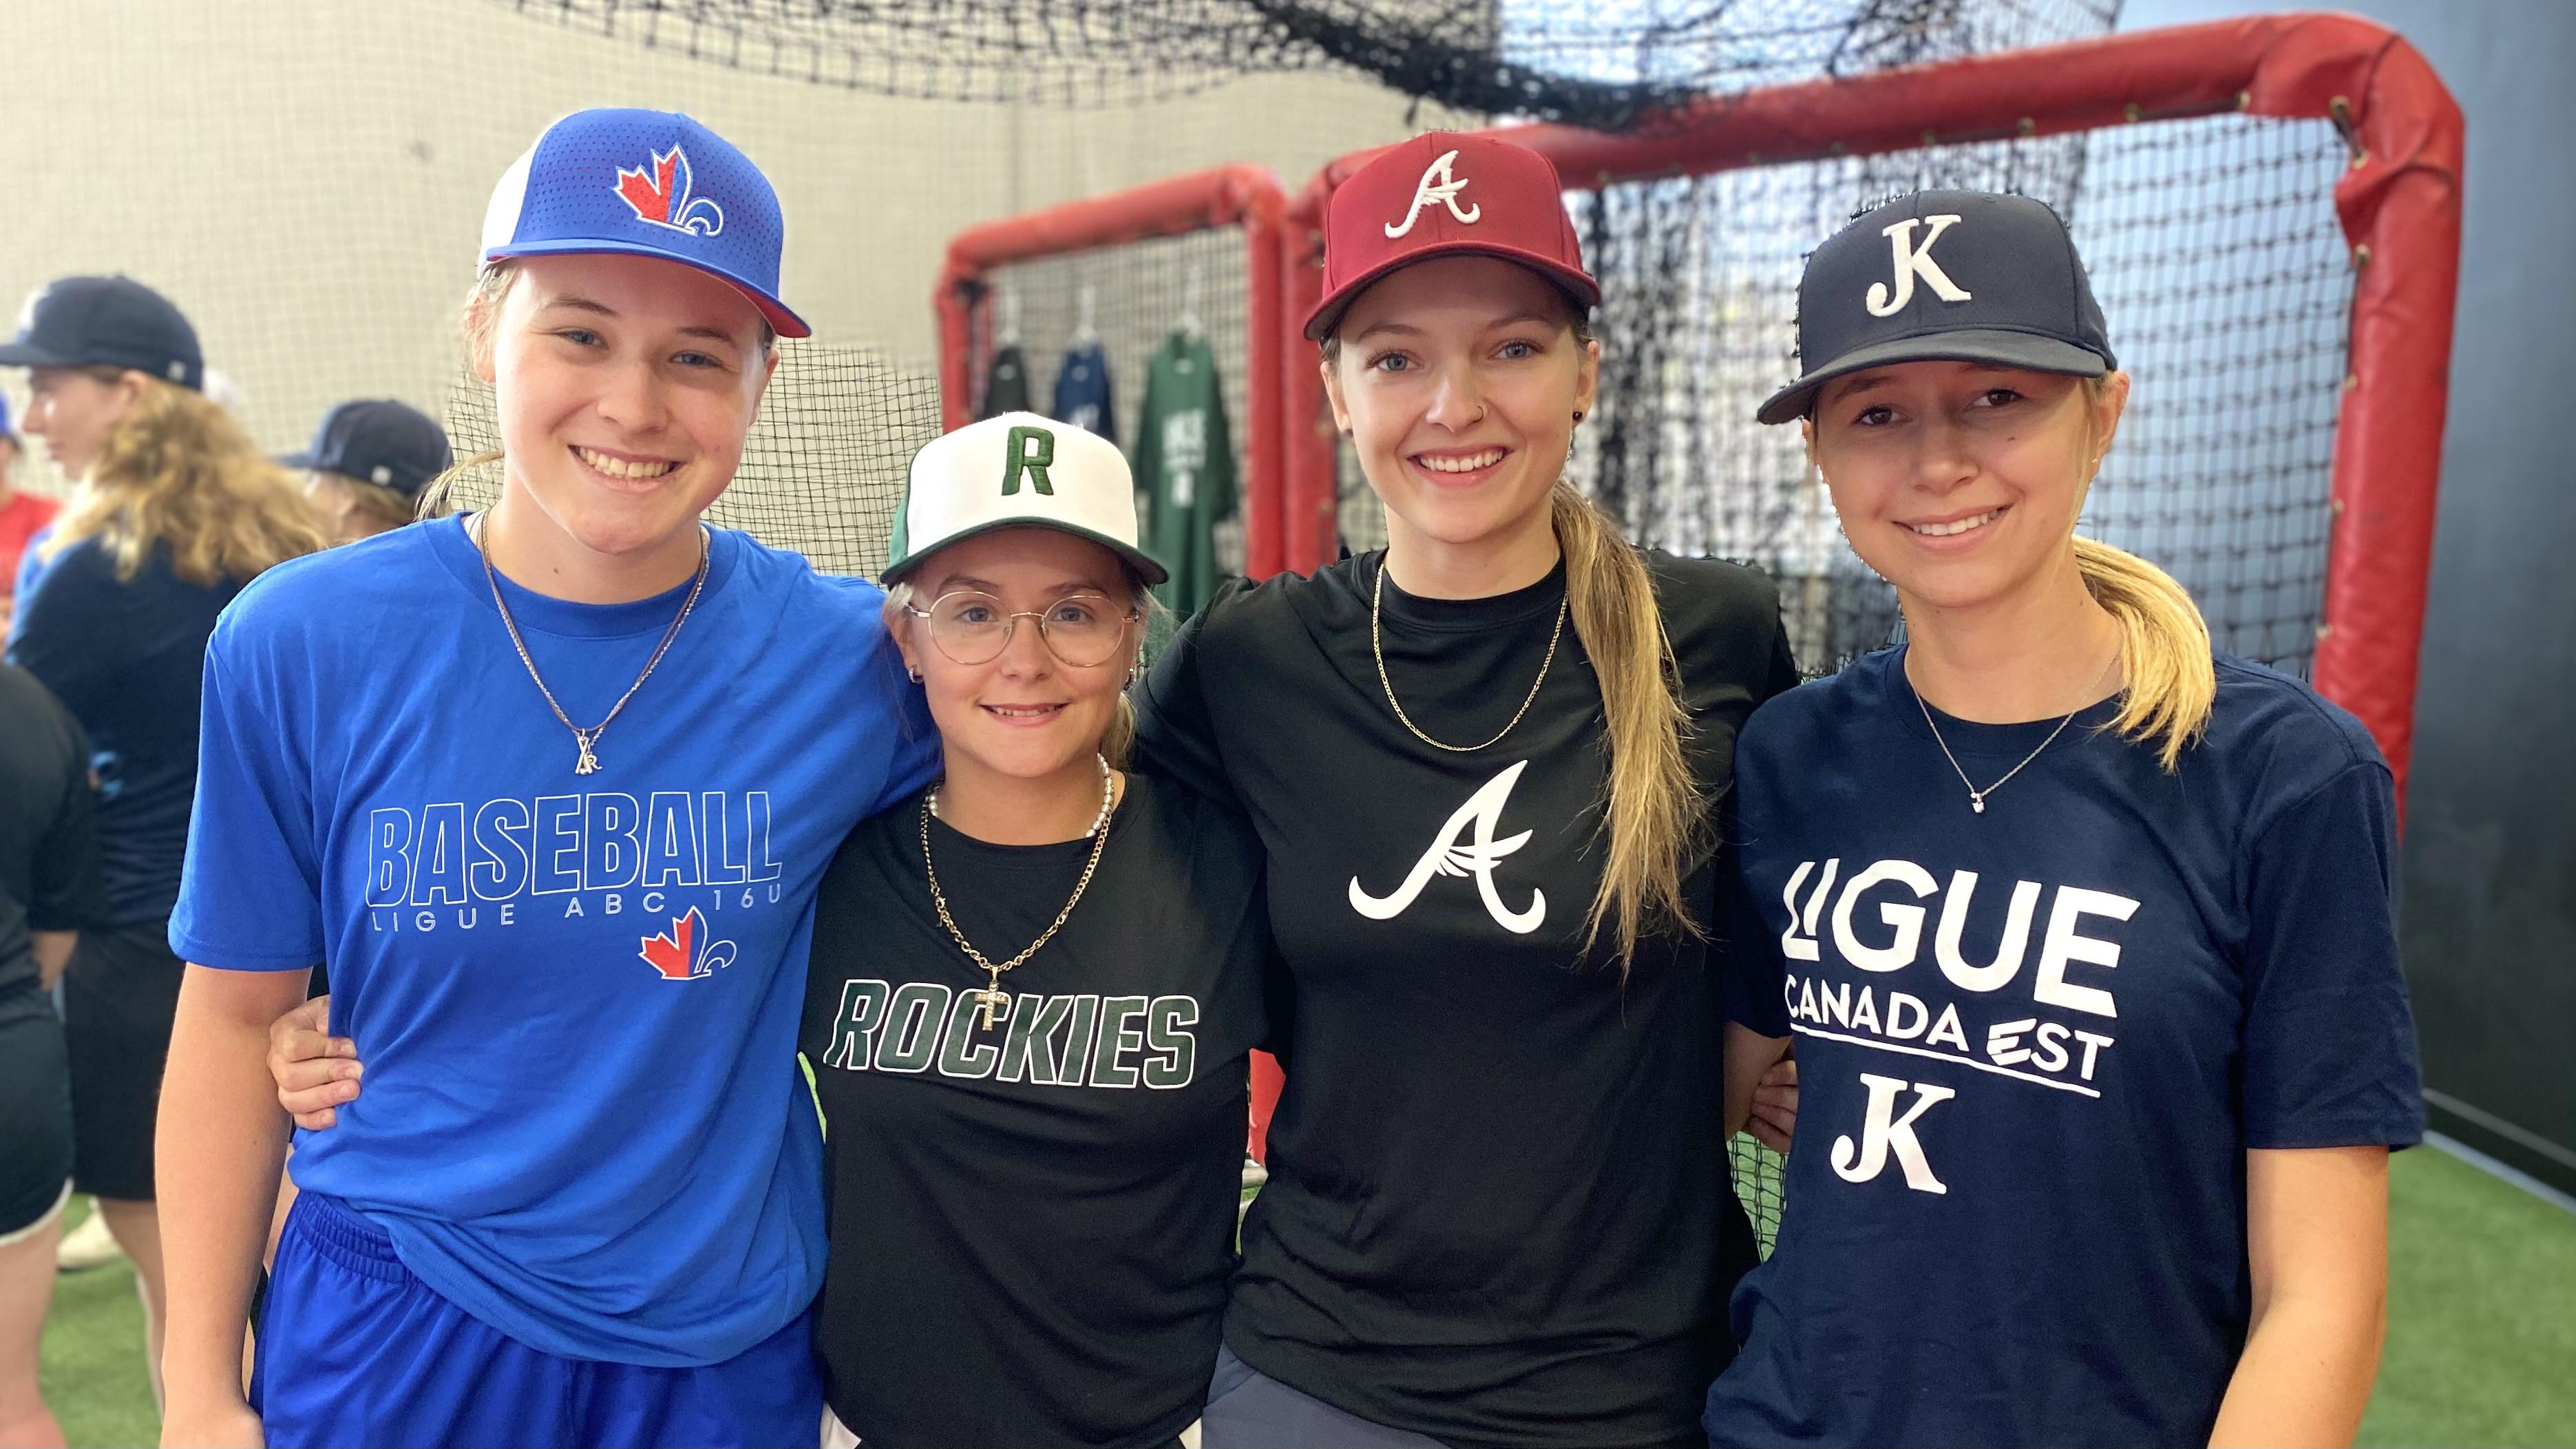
x=673 y=953
x=662 y=195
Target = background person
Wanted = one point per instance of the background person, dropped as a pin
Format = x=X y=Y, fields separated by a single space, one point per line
x=22 y=514
x=367 y=464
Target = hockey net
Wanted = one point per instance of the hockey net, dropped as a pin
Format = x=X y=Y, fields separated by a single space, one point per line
x=2269 y=210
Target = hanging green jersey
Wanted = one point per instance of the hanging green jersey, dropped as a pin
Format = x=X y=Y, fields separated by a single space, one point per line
x=1185 y=467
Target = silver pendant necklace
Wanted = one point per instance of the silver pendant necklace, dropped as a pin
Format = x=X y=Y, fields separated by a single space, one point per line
x=1977 y=797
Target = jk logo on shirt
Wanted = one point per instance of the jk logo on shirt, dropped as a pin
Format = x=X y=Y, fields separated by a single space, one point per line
x=1029 y=452
x=676 y=953
x=1466 y=846
x=1883 y=1132
x=1442 y=193
x=1913 y=261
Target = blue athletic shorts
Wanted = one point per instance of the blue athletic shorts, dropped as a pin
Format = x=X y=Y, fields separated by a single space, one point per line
x=355 y=1350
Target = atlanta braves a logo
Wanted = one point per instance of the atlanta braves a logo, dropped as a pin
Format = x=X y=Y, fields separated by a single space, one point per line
x=662 y=196
x=676 y=954
x=1476 y=855
x=1445 y=193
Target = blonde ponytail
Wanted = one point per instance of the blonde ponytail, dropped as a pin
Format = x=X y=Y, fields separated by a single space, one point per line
x=2164 y=649
x=1655 y=808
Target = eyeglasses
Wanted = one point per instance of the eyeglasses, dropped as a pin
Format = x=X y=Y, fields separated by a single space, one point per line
x=1082 y=630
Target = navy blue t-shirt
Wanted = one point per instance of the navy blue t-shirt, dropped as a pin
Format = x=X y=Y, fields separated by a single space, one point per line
x=127 y=657
x=2034 y=1045
x=1082 y=392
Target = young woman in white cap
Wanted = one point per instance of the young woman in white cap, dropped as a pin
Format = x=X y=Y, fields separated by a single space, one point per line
x=498 y=772
x=2084 y=929
x=1484 y=764
x=1034 y=989
x=173 y=512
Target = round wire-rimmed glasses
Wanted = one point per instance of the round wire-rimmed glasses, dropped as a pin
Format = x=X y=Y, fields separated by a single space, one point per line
x=1083 y=630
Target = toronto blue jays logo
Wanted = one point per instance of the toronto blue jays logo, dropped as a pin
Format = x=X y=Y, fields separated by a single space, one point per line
x=662 y=196
x=677 y=954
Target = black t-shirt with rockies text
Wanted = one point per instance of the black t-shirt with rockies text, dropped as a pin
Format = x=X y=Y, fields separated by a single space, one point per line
x=2034 y=1045
x=1032 y=1224
x=1499 y=1210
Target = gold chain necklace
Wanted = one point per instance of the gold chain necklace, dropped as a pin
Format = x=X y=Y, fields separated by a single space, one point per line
x=1377 y=597
x=990 y=998
x=586 y=762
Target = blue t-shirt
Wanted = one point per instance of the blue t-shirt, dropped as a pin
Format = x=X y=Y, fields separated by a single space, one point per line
x=1082 y=391
x=2034 y=1045
x=576 y=996
x=126 y=657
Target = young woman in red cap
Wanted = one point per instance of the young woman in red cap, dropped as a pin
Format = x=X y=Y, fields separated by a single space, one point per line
x=1484 y=763
x=2084 y=929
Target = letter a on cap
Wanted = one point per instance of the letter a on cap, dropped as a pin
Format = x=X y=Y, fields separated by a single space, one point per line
x=1443 y=194
x=1912 y=261
x=1028 y=451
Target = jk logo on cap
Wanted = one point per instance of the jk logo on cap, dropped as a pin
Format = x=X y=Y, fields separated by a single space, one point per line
x=1028 y=452
x=1913 y=261
x=662 y=196
x=1445 y=193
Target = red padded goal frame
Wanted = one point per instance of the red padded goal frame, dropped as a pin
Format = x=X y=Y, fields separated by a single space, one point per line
x=1222 y=196
x=2399 y=205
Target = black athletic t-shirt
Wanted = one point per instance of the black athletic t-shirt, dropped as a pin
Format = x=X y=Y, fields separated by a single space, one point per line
x=49 y=870
x=1499 y=1209
x=1032 y=1225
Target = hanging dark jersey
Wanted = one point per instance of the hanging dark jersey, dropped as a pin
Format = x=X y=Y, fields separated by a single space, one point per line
x=1082 y=391
x=1185 y=465
x=1499 y=1210
x=1006 y=386
x=2034 y=1043
x=1032 y=1223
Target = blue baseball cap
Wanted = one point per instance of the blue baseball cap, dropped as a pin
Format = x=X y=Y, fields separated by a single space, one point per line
x=1964 y=276
x=647 y=184
x=107 y=322
x=378 y=441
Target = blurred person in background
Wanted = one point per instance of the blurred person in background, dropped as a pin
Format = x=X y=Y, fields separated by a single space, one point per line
x=49 y=890
x=173 y=510
x=22 y=515
x=367 y=465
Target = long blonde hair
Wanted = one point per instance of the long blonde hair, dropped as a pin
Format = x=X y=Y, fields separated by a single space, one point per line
x=2170 y=680
x=1654 y=813
x=178 y=472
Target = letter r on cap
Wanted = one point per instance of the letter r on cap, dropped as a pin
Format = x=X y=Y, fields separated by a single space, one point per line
x=1029 y=451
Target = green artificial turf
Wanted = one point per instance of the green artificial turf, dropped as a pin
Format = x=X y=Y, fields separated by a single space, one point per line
x=2481 y=1331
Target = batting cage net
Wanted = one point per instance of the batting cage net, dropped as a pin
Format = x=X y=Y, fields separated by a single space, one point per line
x=1028 y=305
x=2269 y=212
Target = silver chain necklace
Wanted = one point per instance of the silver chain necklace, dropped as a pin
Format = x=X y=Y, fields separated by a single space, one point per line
x=586 y=762
x=1977 y=797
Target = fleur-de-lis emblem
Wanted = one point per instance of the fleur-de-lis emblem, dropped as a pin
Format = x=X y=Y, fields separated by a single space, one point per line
x=662 y=197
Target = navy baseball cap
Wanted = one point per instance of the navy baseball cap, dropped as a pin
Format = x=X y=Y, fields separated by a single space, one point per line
x=378 y=441
x=650 y=184
x=1965 y=276
x=107 y=322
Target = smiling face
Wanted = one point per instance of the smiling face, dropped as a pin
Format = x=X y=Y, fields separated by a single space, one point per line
x=625 y=387
x=1960 y=482
x=1458 y=380
x=1024 y=713
x=73 y=411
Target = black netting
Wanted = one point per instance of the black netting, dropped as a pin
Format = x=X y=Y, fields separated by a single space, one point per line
x=822 y=471
x=1130 y=298
x=1604 y=63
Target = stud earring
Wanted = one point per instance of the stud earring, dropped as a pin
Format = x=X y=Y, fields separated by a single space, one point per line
x=1578 y=415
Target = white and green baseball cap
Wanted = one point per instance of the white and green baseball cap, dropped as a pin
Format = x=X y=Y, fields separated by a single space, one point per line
x=1018 y=470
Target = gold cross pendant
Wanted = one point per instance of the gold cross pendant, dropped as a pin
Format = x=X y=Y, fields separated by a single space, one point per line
x=989 y=1000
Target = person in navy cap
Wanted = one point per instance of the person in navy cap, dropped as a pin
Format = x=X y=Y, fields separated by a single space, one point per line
x=1484 y=763
x=2082 y=927
x=550 y=784
x=368 y=463
x=172 y=512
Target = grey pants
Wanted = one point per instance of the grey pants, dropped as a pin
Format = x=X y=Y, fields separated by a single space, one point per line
x=1248 y=1409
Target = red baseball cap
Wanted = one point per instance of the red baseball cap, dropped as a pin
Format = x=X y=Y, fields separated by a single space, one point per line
x=1444 y=194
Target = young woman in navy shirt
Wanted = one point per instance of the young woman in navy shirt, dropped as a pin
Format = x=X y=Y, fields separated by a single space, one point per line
x=2083 y=929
